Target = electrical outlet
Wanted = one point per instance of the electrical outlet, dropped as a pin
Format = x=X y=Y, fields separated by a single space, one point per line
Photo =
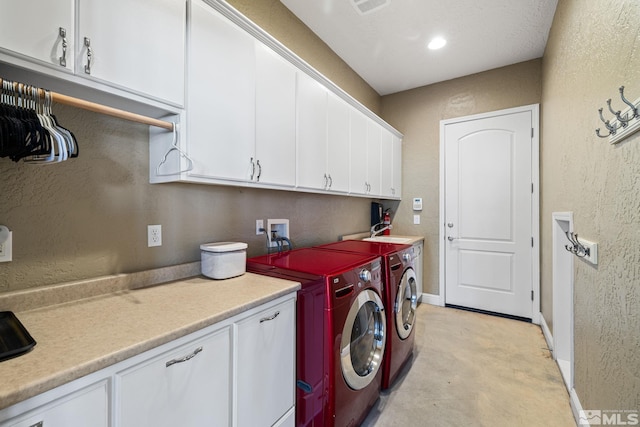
x=154 y=235
x=259 y=226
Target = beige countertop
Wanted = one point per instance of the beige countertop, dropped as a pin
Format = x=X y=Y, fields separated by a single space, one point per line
x=80 y=337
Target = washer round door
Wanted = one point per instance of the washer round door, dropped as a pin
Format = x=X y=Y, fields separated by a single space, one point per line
x=406 y=303
x=363 y=340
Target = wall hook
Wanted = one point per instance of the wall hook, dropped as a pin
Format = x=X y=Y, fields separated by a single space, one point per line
x=634 y=109
x=576 y=248
x=602 y=136
x=612 y=129
x=623 y=122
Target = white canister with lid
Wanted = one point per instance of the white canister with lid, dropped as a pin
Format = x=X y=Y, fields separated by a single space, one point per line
x=223 y=260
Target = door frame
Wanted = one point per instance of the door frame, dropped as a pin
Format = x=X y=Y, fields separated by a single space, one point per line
x=535 y=199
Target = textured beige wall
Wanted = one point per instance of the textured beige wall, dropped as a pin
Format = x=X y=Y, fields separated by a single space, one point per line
x=88 y=217
x=417 y=114
x=277 y=20
x=593 y=48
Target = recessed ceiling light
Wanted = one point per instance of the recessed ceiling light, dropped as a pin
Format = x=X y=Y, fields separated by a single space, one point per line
x=437 y=43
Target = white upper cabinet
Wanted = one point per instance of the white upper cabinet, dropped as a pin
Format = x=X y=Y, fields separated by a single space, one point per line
x=220 y=97
x=275 y=147
x=374 y=157
x=135 y=44
x=32 y=28
x=338 y=156
x=358 y=150
x=386 y=171
x=397 y=167
x=257 y=115
x=311 y=128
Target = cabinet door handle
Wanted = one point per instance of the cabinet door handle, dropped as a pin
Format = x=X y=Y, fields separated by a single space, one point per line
x=330 y=181
x=63 y=59
x=253 y=169
x=325 y=182
x=185 y=358
x=259 y=170
x=87 y=43
x=266 y=319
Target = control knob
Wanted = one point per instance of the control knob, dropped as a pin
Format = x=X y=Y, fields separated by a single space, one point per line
x=406 y=257
x=365 y=275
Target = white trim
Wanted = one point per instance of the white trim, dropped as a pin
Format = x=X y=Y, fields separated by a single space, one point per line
x=546 y=333
x=576 y=406
x=563 y=296
x=574 y=401
x=432 y=299
x=535 y=199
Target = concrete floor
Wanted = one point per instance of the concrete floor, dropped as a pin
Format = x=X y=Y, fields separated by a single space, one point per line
x=471 y=369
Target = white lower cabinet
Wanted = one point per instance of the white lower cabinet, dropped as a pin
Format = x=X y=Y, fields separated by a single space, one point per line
x=238 y=372
x=86 y=407
x=189 y=386
x=265 y=360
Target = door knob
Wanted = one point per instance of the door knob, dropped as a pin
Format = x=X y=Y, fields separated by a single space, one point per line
x=451 y=238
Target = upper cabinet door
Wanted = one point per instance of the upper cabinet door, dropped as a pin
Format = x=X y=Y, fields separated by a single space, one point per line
x=338 y=144
x=311 y=109
x=374 y=158
x=386 y=162
x=221 y=97
x=32 y=28
x=138 y=45
x=397 y=167
x=275 y=118
x=358 y=149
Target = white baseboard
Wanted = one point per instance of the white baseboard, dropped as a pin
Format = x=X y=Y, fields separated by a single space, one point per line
x=547 y=333
x=432 y=299
x=576 y=406
x=574 y=401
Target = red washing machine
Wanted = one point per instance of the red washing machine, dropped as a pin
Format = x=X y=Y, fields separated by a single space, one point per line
x=400 y=299
x=341 y=329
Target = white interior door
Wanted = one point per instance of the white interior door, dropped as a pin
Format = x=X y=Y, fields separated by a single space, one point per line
x=488 y=212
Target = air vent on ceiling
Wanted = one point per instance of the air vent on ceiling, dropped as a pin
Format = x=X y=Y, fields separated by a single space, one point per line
x=368 y=6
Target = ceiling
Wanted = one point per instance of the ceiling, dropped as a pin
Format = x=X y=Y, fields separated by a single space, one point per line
x=387 y=46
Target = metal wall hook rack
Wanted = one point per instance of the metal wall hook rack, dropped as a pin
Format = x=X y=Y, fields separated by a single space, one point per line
x=582 y=248
x=625 y=122
x=576 y=248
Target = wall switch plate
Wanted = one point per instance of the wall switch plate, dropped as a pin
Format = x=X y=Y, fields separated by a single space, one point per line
x=154 y=235
x=259 y=226
x=6 y=243
x=416 y=219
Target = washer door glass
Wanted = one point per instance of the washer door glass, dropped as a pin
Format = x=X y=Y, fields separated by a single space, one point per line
x=406 y=303
x=363 y=340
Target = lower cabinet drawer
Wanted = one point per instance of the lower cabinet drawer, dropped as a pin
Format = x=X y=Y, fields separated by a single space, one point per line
x=188 y=386
x=86 y=407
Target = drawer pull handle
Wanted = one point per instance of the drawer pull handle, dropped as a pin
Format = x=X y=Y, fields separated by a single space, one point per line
x=185 y=358
x=63 y=59
x=266 y=319
x=38 y=424
x=87 y=43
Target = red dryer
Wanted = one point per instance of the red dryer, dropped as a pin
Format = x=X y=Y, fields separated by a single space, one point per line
x=341 y=328
x=400 y=299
